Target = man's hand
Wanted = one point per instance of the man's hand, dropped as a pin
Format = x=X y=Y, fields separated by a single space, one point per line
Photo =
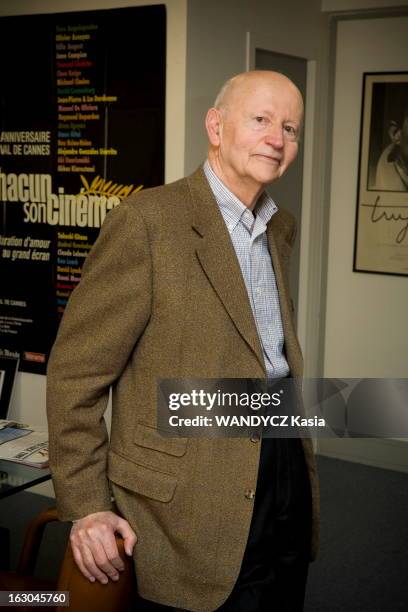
x=94 y=546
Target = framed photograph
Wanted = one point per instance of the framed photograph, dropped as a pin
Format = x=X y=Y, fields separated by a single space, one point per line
x=8 y=371
x=381 y=238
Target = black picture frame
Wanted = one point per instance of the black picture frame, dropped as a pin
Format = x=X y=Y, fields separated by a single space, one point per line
x=381 y=229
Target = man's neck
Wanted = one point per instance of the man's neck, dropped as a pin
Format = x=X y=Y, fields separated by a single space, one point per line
x=247 y=193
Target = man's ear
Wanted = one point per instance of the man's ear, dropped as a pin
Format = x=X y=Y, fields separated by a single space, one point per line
x=213 y=124
x=394 y=132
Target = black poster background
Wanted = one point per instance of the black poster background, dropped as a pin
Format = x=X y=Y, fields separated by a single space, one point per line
x=123 y=56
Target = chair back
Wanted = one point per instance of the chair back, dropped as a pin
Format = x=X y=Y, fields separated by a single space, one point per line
x=85 y=596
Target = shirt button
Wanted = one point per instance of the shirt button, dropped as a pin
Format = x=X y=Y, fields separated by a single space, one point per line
x=250 y=494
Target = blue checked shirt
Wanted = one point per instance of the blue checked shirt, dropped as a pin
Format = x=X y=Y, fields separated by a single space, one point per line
x=248 y=235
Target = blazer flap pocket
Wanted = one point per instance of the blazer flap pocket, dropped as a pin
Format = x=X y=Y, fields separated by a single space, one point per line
x=149 y=437
x=140 y=478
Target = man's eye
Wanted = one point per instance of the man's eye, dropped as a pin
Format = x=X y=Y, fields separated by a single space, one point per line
x=290 y=130
x=260 y=119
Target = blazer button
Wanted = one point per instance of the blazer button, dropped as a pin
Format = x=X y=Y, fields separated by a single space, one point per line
x=255 y=438
x=250 y=494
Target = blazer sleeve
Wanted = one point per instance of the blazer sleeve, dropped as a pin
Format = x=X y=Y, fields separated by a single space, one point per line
x=104 y=318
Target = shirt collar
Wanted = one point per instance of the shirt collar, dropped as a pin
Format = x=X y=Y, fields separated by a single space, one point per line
x=231 y=207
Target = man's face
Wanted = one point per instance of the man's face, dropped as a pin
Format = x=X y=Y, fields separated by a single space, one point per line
x=259 y=132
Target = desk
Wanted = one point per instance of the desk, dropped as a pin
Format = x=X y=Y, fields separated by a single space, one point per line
x=15 y=477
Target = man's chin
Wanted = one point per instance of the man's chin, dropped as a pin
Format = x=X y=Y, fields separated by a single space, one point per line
x=265 y=178
x=267 y=172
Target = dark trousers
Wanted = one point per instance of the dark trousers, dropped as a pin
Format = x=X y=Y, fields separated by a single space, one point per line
x=274 y=569
x=276 y=560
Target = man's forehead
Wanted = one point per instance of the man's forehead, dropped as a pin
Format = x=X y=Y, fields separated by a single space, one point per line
x=268 y=86
x=265 y=97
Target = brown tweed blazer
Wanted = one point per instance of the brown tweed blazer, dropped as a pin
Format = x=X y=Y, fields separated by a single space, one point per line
x=162 y=296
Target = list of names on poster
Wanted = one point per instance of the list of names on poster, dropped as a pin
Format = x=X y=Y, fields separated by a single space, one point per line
x=72 y=251
x=80 y=103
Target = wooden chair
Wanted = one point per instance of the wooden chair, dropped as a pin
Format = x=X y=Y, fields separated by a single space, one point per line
x=96 y=597
x=84 y=596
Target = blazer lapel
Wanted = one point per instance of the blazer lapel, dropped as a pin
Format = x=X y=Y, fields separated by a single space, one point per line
x=283 y=289
x=217 y=257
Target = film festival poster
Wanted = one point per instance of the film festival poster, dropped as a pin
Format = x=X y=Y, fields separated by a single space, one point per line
x=82 y=108
x=381 y=239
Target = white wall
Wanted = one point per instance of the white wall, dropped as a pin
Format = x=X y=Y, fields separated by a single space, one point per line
x=366 y=320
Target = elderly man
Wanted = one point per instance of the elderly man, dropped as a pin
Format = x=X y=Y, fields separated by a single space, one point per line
x=189 y=280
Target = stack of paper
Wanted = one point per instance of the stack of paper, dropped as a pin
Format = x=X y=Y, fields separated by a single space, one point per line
x=22 y=444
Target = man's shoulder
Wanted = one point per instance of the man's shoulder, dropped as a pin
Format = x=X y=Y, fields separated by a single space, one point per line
x=285 y=217
x=154 y=199
x=168 y=207
x=284 y=222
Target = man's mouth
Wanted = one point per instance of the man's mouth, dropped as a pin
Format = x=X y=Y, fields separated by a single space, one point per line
x=271 y=158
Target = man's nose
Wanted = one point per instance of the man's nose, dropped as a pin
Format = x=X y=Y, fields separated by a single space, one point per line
x=274 y=137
